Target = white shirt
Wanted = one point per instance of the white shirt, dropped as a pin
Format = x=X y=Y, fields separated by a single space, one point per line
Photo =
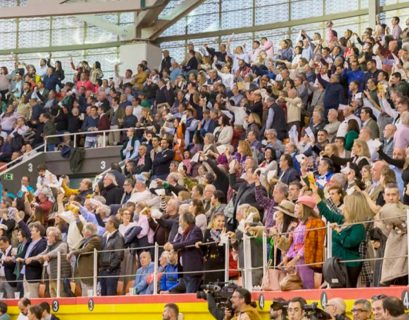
x=3 y=256
x=22 y=317
x=343 y=127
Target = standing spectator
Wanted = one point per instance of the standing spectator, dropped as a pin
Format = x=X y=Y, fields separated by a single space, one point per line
x=111 y=191
x=190 y=256
x=7 y=277
x=32 y=268
x=348 y=234
x=56 y=245
x=85 y=255
x=3 y=311
x=110 y=259
x=45 y=306
x=161 y=163
x=49 y=130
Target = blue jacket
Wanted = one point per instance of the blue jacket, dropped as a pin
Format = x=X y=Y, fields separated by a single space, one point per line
x=169 y=277
x=141 y=285
x=334 y=94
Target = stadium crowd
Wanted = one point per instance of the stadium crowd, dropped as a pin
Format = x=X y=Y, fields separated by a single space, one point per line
x=226 y=145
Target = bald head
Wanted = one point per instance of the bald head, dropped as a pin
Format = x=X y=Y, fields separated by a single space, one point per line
x=389 y=131
x=365 y=134
x=377 y=169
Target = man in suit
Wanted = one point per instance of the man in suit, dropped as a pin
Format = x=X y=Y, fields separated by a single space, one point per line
x=161 y=163
x=84 y=266
x=164 y=94
x=7 y=265
x=376 y=188
x=368 y=122
x=111 y=257
x=287 y=172
x=245 y=190
x=166 y=227
x=48 y=130
x=166 y=62
x=190 y=255
x=32 y=268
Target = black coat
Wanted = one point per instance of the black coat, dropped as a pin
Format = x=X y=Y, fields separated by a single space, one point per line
x=145 y=167
x=34 y=269
x=161 y=163
x=112 y=194
x=191 y=256
x=214 y=259
x=167 y=228
x=9 y=271
x=111 y=260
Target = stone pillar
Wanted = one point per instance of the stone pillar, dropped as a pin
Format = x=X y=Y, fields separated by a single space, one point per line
x=132 y=54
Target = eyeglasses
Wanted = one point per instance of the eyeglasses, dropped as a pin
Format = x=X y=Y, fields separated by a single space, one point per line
x=358 y=310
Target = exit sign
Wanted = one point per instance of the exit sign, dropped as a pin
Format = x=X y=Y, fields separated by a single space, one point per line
x=8 y=177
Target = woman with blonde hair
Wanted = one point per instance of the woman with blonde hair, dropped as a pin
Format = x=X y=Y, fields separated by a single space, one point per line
x=361 y=158
x=243 y=152
x=213 y=249
x=248 y=215
x=348 y=230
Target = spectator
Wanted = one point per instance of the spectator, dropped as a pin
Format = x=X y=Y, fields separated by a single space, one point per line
x=47 y=311
x=171 y=312
x=362 y=310
x=143 y=280
x=190 y=255
x=23 y=305
x=85 y=255
x=3 y=311
x=110 y=259
x=169 y=272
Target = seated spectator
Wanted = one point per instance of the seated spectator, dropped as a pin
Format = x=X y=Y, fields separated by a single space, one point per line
x=169 y=272
x=143 y=280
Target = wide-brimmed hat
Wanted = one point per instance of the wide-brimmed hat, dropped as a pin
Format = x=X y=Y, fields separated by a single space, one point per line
x=307 y=201
x=286 y=207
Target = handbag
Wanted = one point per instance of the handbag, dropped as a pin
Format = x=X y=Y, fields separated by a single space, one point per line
x=283 y=243
x=272 y=276
x=291 y=281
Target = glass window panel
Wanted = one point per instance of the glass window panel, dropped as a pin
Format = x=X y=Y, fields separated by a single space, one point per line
x=62 y=37
x=34 y=39
x=209 y=6
x=239 y=40
x=126 y=17
x=113 y=18
x=98 y=35
x=237 y=19
x=306 y=9
x=270 y=14
x=169 y=7
x=8 y=3
x=8 y=40
x=67 y=22
x=260 y=3
x=364 y=4
x=176 y=29
x=336 y=6
x=203 y=23
x=34 y=24
x=228 y=5
x=9 y=25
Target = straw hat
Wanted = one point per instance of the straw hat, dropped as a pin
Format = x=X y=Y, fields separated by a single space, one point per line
x=286 y=207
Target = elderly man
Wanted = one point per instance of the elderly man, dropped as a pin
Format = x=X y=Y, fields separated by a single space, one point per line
x=84 y=255
x=333 y=124
x=375 y=189
x=388 y=133
x=111 y=191
x=143 y=279
x=141 y=193
x=336 y=308
x=56 y=246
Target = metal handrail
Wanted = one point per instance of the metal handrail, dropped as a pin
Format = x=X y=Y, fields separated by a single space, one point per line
x=17 y=161
x=85 y=133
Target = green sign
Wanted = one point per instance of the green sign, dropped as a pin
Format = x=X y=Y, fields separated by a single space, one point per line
x=8 y=176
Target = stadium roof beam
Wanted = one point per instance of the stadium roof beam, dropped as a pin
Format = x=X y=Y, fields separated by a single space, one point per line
x=152 y=33
x=36 y=8
x=148 y=17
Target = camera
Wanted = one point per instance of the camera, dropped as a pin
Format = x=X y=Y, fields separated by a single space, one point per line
x=313 y=312
x=220 y=292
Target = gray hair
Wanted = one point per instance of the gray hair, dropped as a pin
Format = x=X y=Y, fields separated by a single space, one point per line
x=92 y=228
x=340 y=179
x=365 y=303
x=282 y=187
x=339 y=304
x=112 y=177
x=210 y=137
x=56 y=232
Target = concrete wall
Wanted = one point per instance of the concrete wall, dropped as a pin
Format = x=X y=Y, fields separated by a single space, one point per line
x=131 y=55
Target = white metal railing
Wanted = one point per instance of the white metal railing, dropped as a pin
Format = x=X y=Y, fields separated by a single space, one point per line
x=16 y=162
x=246 y=269
x=102 y=133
